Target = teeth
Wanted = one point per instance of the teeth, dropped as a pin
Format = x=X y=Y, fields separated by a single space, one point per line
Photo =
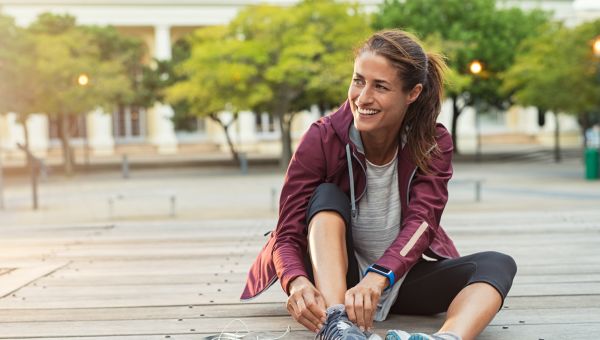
x=367 y=111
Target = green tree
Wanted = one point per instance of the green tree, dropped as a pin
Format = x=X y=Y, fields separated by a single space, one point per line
x=310 y=58
x=19 y=86
x=469 y=30
x=557 y=71
x=220 y=74
x=274 y=59
x=64 y=53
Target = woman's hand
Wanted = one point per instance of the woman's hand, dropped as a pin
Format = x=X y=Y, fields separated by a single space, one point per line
x=362 y=299
x=305 y=304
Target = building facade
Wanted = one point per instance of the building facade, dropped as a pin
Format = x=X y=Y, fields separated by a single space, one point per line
x=159 y=23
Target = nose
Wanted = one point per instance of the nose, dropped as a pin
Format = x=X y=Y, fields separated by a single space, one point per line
x=364 y=96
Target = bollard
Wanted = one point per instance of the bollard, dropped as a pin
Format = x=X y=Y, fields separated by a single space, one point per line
x=243 y=163
x=125 y=167
x=173 y=202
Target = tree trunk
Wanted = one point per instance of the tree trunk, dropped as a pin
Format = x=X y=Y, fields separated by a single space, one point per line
x=25 y=135
x=285 y=123
x=63 y=131
x=456 y=111
x=234 y=154
x=585 y=124
x=557 y=157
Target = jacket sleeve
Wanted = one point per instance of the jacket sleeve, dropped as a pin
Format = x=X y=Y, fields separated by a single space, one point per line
x=428 y=196
x=305 y=172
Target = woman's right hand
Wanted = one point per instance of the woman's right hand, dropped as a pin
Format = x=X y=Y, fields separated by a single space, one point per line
x=306 y=304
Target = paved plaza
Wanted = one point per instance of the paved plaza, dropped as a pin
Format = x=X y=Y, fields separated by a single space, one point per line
x=168 y=257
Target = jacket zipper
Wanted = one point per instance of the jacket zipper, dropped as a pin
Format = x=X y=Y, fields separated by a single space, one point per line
x=408 y=185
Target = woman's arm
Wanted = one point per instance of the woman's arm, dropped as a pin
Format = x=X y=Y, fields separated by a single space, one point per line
x=306 y=171
x=428 y=196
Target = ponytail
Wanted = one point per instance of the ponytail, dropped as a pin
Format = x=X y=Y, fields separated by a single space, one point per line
x=421 y=116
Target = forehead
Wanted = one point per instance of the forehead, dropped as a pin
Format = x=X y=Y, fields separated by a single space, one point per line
x=374 y=66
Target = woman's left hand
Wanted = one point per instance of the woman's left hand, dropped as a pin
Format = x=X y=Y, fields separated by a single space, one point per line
x=361 y=300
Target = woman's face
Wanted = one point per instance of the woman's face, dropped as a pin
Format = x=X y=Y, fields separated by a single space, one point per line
x=376 y=97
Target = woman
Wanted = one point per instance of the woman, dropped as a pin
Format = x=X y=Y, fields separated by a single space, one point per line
x=358 y=234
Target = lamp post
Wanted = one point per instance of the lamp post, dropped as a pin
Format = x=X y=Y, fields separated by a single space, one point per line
x=475 y=68
x=83 y=80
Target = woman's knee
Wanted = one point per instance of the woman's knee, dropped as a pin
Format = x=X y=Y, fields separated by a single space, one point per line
x=506 y=262
x=328 y=198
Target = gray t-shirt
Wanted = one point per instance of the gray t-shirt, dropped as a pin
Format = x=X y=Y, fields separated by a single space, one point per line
x=377 y=225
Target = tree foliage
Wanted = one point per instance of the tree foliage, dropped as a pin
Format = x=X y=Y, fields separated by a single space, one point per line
x=18 y=82
x=273 y=59
x=557 y=71
x=468 y=30
x=42 y=65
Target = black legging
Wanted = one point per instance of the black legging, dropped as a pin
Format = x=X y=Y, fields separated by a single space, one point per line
x=430 y=286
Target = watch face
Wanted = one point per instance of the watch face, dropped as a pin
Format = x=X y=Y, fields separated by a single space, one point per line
x=381 y=268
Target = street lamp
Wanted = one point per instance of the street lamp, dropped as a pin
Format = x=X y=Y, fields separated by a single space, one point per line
x=596 y=46
x=83 y=79
x=476 y=67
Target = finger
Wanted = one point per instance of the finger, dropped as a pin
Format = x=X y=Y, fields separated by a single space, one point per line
x=306 y=313
x=322 y=307
x=375 y=304
x=293 y=309
x=368 y=312
x=349 y=302
x=316 y=310
x=308 y=324
x=359 y=309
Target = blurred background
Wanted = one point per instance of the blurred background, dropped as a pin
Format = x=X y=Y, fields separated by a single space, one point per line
x=97 y=94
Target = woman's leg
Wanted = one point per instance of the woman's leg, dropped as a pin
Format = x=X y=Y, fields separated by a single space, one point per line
x=326 y=240
x=331 y=264
x=472 y=310
x=471 y=289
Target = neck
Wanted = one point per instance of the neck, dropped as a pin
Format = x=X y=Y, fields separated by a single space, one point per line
x=378 y=150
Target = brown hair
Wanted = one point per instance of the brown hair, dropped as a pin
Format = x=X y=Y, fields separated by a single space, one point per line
x=414 y=66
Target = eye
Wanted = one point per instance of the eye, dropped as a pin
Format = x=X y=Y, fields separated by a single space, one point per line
x=381 y=87
x=358 y=81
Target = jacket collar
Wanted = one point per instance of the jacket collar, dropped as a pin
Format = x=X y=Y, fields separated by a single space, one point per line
x=343 y=124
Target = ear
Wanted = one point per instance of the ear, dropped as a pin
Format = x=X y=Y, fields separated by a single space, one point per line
x=414 y=93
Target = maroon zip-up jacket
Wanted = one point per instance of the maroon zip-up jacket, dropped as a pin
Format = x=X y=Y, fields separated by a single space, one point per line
x=322 y=156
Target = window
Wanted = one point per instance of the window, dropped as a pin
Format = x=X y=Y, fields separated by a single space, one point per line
x=129 y=123
x=76 y=125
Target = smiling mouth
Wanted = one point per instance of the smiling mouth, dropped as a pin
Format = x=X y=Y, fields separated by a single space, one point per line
x=367 y=112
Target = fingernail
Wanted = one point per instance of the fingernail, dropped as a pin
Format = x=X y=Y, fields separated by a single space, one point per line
x=362 y=329
x=319 y=326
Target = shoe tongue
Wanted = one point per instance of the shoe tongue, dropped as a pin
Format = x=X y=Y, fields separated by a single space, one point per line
x=334 y=308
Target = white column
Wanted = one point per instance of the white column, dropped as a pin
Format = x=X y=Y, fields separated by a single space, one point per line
x=37 y=125
x=467 y=130
x=161 y=131
x=99 y=128
x=247 y=129
x=14 y=133
x=162 y=42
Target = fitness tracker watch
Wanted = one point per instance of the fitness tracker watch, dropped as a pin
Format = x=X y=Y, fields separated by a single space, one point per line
x=381 y=270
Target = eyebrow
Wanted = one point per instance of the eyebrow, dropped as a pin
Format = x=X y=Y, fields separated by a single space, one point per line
x=379 y=81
